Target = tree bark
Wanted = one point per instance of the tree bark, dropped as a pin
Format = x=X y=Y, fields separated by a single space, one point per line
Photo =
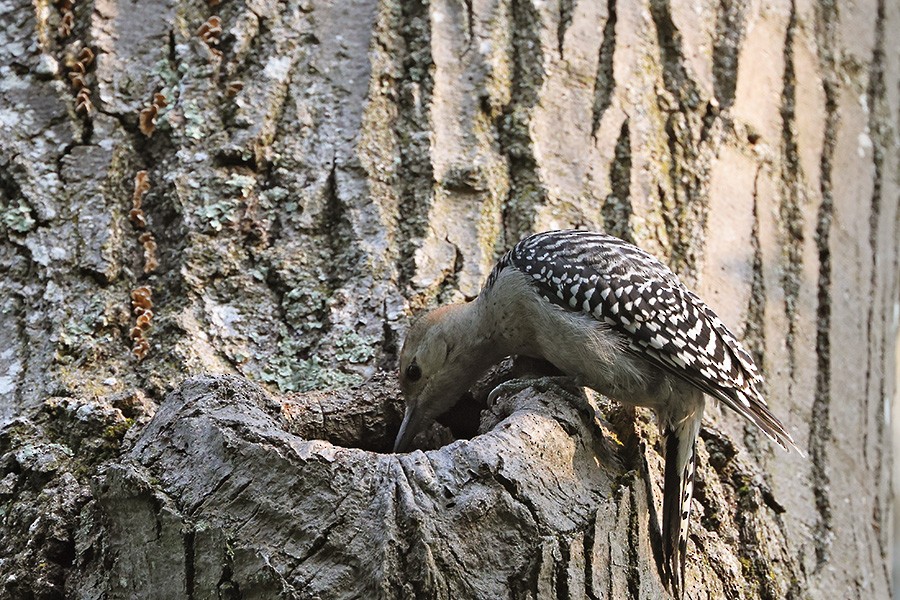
x=219 y=219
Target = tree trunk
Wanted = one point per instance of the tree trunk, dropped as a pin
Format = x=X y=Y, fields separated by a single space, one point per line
x=264 y=194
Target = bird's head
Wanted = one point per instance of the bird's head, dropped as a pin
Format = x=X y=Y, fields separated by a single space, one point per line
x=438 y=363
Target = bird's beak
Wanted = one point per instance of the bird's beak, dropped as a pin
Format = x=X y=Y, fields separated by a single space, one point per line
x=412 y=423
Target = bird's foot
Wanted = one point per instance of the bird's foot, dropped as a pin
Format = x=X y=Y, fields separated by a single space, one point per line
x=562 y=384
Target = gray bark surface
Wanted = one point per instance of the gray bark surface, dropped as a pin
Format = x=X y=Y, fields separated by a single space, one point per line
x=316 y=174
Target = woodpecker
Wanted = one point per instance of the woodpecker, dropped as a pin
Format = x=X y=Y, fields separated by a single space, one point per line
x=615 y=319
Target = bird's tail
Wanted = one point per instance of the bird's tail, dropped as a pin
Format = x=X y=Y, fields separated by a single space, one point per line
x=678 y=488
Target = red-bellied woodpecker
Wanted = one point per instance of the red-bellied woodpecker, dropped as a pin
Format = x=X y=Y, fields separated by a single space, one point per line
x=617 y=320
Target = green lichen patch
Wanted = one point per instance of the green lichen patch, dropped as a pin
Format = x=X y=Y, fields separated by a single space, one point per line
x=322 y=370
x=219 y=214
x=17 y=217
x=354 y=348
x=306 y=375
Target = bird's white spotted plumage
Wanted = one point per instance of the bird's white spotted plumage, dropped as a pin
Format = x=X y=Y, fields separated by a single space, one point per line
x=658 y=317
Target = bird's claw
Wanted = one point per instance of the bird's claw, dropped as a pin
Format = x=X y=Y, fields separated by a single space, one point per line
x=542 y=384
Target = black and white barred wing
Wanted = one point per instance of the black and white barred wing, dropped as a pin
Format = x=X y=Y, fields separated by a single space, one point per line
x=659 y=319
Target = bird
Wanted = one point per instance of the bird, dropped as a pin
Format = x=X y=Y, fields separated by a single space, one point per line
x=615 y=319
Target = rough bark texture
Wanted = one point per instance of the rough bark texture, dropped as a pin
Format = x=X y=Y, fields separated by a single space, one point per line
x=317 y=172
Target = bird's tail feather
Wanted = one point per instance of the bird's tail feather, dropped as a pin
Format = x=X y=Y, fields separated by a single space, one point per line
x=678 y=489
x=750 y=404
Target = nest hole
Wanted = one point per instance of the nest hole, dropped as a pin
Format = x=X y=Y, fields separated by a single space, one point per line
x=368 y=417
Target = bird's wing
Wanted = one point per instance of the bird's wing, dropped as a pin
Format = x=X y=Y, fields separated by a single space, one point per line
x=658 y=318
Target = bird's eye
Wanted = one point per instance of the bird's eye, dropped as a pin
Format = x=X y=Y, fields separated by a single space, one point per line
x=413 y=372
